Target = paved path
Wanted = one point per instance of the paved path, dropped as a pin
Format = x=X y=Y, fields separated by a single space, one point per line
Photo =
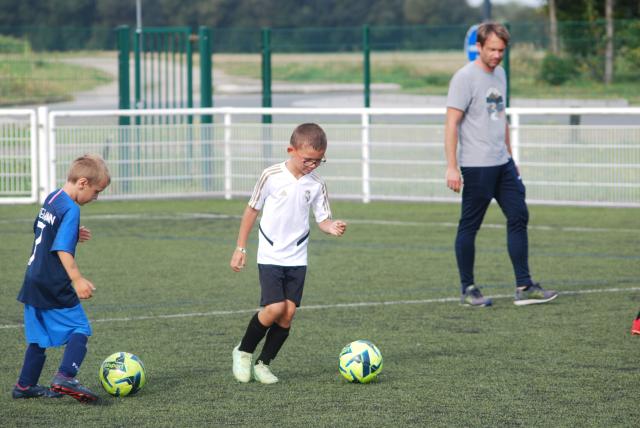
x=232 y=91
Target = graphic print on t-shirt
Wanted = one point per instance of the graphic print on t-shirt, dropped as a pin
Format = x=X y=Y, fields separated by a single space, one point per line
x=495 y=104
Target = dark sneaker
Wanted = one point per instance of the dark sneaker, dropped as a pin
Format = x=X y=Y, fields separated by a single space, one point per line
x=34 y=391
x=73 y=388
x=533 y=294
x=473 y=297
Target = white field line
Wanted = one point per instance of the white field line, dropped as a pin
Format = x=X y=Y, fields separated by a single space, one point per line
x=331 y=306
x=197 y=216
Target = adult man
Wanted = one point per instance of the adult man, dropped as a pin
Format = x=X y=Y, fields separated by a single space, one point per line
x=476 y=117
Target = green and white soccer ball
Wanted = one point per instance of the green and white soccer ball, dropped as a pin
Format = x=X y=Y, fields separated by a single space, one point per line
x=360 y=361
x=122 y=374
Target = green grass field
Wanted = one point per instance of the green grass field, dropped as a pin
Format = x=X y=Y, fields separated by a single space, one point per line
x=41 y=78
x=166 y=293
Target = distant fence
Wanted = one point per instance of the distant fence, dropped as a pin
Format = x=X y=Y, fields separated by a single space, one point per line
x=373 y=154
x=397 y=57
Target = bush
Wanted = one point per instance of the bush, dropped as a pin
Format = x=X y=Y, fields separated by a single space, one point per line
x=10 y=44
x=556 y=70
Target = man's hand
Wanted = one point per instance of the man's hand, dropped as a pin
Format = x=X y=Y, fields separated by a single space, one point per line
x=454 y=180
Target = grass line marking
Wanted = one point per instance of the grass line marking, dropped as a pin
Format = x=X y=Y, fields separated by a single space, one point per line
x=400 y=223
x=331 y=306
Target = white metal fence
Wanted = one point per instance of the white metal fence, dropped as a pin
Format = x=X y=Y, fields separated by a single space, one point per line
x=373 y=154
x=18 y=156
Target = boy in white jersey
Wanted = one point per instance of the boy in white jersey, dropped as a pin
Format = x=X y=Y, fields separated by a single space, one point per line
x=285 y=193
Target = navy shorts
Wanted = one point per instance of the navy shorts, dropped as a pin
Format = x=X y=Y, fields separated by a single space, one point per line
x=280 y=283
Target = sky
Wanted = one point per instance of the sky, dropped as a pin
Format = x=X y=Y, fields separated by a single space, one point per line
x=533 y=3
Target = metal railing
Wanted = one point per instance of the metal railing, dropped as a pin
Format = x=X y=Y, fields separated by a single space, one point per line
x=373 y=154
x=19 y=157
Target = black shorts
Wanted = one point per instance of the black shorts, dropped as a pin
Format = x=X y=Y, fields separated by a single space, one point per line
x=280 y=283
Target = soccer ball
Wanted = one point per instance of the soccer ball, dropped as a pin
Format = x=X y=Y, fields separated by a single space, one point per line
x=360 y=361
x=122 y=374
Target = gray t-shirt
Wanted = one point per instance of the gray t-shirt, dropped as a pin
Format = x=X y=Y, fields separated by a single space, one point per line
x=481 y=96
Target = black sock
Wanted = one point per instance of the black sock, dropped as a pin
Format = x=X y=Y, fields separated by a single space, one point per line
x=254 y=334
x=638 y=316
x=275 y=339
x=34 y=359
x=74 y=354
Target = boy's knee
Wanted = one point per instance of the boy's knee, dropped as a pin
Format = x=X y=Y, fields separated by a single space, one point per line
x=276 y=310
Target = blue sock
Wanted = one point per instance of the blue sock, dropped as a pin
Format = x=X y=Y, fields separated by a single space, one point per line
x=34 y=359
x=74 y=353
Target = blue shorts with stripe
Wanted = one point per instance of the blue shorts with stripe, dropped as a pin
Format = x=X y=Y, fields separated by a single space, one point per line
x=54 y=327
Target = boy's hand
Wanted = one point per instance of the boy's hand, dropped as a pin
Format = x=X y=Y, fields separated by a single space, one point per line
x=84 y=234
x=337 y=228
x=238 y=260
x=84 y=288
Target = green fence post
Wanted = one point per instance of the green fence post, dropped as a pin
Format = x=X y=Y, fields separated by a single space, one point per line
x=266 y=72
x=507 y=68
x=266 y=96
x=124 y=102
x=137 y=46
x=189 y=77
x=366 y=66
x=206 y=98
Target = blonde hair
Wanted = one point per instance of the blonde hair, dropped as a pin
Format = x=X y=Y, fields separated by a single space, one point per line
x=90 y=166
x=310 y=134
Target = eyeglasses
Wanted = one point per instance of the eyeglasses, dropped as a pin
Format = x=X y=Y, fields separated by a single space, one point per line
x=313 y=162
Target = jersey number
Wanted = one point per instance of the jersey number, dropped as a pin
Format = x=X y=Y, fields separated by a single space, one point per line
x=41 y=226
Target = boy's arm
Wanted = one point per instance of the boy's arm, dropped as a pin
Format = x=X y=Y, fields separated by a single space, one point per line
x=239 y=257
x=84 y=288
x=333 y=227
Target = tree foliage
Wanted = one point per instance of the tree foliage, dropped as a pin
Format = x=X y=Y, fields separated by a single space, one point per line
x=235 y=13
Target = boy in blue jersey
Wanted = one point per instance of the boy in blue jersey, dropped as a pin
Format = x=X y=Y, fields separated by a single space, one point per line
x=53 y=285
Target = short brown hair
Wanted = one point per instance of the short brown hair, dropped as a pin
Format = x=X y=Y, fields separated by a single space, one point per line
x=487 y=28
x=90 y=166
x=310 y=134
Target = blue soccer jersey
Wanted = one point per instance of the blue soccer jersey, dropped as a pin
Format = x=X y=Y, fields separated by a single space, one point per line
x=46 y=283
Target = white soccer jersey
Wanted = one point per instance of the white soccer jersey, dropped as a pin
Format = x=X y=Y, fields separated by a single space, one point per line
x=285 y=202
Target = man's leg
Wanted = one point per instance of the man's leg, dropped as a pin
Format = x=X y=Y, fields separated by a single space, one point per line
x=510 y=194
x=477 y=193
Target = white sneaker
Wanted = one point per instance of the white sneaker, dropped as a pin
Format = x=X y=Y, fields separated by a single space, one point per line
x=241 y=365
x=262 y=373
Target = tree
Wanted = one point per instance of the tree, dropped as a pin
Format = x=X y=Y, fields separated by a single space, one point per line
x=553 y=27
x=588 y=32
x=608 y=55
